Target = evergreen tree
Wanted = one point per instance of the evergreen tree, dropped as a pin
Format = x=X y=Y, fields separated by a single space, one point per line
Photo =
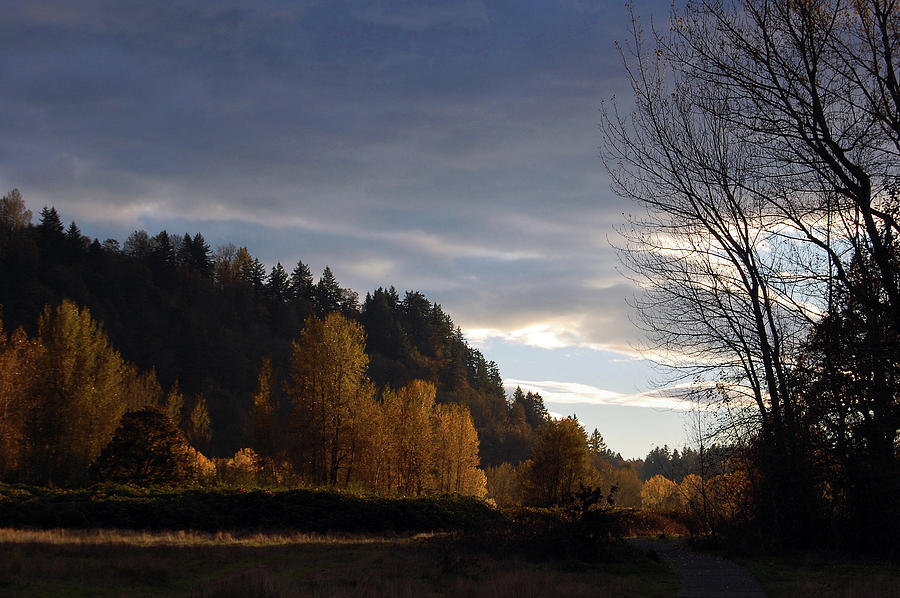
x=278 y=285
x=328 y=294
x=200 y=256
x=302 y=287
x=50 y=225
x=162 y=250
x=596 y=443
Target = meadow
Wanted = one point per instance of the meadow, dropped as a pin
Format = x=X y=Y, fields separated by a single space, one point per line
x=69 y=563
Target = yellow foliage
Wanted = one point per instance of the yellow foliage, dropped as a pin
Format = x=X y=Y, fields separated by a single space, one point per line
x=241 y=469
x=456 y=452
x=328 y=384
x=659 y=494
x=204 y=470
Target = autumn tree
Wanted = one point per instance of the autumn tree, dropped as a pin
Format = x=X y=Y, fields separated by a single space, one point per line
x=456 y=461
x=407 y=414
x=327 y=381
x=147 y=449
x=198 y=424
x=13 y=214
x=18 y=378
x=174 y=403
x=558 y=462
x=659 y=493
x=81 y=394
x=263 y=431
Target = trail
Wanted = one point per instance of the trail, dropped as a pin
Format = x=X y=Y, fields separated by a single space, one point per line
x=703 y=575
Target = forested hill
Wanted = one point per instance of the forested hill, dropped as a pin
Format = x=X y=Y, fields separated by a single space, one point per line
x=206 y=319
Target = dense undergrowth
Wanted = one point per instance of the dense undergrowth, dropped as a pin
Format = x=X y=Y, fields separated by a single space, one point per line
x=127 y=507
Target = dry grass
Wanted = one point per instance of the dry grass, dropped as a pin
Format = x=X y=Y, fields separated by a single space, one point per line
x=179 y=538
x=62 y=563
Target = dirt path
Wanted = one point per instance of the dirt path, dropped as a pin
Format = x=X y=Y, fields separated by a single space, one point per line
x=703 y=575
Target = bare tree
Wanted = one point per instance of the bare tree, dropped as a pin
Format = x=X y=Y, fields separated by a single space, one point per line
x=762 y=150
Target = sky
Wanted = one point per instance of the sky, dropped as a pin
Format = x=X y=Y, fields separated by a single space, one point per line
x=446 y=146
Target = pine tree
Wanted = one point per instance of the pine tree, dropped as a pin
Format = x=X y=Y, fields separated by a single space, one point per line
x=200 y=256
x=328 y=294
x=50 y=224
x=596 y=443
x=302 y=287
x=277 y=285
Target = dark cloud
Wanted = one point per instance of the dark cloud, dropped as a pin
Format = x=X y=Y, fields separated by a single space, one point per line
x=448 y=146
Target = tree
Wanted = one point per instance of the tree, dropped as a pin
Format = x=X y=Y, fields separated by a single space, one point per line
x=263 y=431
x=596 y=444
x=13 y=214
x=407 y=413
x=302 y=287
x=174 y=405
x=558 y=462
x=328 y=294
x=138 y=245
x=659 y=493
x=198 y=430
x=327 y=381
x=200 y=256
x=456 y=462
x=278 y=285
x=762 y=149
x=147 y=449
x=18 y=378
x=81 y=394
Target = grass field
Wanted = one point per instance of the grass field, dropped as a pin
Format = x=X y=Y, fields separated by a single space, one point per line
x=824 y=575
x=62 y=563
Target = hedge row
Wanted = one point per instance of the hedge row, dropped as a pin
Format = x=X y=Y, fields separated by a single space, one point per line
x=212 y=510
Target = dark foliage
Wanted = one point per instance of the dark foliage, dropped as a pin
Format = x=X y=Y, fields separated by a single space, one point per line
x=147 y=450
x=124 y=507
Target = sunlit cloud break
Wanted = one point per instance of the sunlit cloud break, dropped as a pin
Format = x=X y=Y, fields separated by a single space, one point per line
x=678 y=397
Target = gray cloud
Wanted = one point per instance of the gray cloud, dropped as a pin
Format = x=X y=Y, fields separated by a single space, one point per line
x=446 y=146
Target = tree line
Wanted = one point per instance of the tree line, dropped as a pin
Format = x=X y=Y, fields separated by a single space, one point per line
x=204 y=320
x=74 y=411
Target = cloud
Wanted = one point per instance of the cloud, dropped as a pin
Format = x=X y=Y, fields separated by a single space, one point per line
x=448 y=148
x=678 y=397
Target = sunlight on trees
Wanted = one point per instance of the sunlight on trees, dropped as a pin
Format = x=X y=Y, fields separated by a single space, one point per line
x=80 y=394
x=659 y=494
x=327 y=381
x=18 y=379
x=456 y=462
x=558 y=462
